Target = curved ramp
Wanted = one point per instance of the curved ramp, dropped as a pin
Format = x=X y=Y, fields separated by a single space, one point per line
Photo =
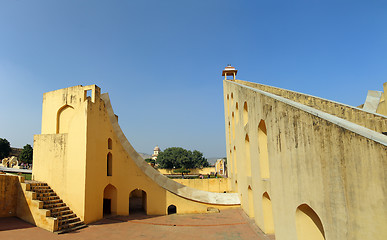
x=164 y=182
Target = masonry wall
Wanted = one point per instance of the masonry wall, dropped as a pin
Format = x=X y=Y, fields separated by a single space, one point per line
x=8 y=195
x=60 y=151
x=219 y=185
x=336 y=173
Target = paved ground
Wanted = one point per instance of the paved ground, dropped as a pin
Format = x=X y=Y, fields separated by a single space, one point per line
x=230 y=224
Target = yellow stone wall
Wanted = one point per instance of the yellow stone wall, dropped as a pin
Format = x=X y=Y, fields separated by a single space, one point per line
x=81 y=140
x=8 y=194
x=290 y=163
x=219 y=185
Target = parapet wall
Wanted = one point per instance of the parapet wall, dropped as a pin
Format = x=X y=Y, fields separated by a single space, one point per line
x=299 y=169
x=373 y=121
x=218 y=185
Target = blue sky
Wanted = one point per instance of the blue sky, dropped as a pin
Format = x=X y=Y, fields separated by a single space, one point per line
x=161 y=61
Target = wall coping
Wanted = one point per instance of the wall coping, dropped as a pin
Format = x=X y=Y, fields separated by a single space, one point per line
x=363 y=131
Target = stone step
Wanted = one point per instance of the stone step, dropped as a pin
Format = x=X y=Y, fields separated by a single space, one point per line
x=61 y=213
x=67 y=216
x=36 y=183
x=70 y=225
x=59 y=209
x=39 y=187
x=38 y=195
x=71 y=229
x=43 y=190
x=54 y=205
x=68 y=221
x=49 y=198
x=51 y=201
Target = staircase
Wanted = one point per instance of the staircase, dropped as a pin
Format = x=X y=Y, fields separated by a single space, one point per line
x=67 y=220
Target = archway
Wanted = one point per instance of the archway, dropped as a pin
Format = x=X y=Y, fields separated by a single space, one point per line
x=247 y=156
x=308 y=224
x=172 y=209
x=263 y=152
x=137 y=201
x=109 y=200
x=245 y=114
x=267 y=214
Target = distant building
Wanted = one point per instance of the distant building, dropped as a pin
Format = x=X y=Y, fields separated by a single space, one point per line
x=156 y=152
x=220 y=167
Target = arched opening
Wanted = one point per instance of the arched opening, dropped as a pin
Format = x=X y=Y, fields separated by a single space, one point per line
x=263 y=152
x=109 y=161
x=63 y=119
x=230 y=164
x=267 y=214
x=237 y=113
x=251 y=202
x=109 y=200
x=229 y=133
x=232 y=96
x=172 y=209
x=247 y=156
x=308 y=224
x=110 y=144
x=233 y=125
x=245 y=114
x=228 y=104
x=137 y=202
x=235 y=162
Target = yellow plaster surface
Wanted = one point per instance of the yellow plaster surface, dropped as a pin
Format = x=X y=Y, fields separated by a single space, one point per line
x=71 y=155
x=326 y=155
x=219 y=185
x=8 y=194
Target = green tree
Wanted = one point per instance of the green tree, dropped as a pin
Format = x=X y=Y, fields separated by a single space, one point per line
x=26 y=154
x=177 y=157
x=5 y=148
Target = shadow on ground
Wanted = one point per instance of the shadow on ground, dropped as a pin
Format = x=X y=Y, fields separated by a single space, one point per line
x=13 y=223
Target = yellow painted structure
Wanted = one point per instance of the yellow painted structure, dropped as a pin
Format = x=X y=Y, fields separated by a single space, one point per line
x=306 y=167
x=219 y=185
x=86 y=159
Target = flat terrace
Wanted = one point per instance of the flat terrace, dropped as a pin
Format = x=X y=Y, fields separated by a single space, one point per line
x=232 y=224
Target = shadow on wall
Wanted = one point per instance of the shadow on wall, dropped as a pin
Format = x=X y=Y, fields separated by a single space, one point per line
x=309 y=225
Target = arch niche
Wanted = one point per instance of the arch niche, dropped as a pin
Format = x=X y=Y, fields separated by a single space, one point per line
x=109 y=200
x=137 y=201
x=308 y=223
x=172 y=209
x=63 y=119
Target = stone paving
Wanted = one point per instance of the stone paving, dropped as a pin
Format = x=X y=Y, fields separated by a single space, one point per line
x=232 y=224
